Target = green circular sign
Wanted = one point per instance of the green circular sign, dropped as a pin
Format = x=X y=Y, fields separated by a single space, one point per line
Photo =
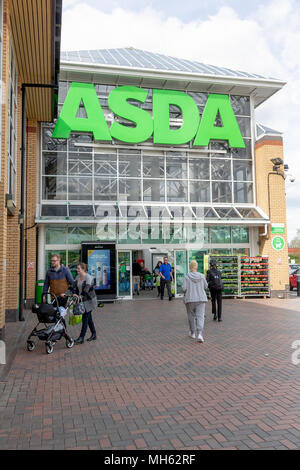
x=278 y=243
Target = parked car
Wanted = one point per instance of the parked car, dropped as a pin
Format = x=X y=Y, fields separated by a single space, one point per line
x=293 y=278
x=293 y=267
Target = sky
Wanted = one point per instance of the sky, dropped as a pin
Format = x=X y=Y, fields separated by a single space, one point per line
x=261 y=37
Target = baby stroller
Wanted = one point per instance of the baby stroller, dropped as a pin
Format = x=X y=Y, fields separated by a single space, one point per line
x=52 y=316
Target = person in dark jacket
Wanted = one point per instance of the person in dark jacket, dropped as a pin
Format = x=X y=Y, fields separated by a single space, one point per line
x=58 y=280
x=84 y=288
x=136 y=277
x=215 y=285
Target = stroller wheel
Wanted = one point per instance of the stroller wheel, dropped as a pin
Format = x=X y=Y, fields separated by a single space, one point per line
x=49 y=348
x=30 y=346
x=70 y=343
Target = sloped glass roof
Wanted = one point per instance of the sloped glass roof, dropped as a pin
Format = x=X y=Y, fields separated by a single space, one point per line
x=131 y=57
x=125 y=212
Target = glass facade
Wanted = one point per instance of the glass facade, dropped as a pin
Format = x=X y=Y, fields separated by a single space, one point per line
x=147 y=195
x=73 y=171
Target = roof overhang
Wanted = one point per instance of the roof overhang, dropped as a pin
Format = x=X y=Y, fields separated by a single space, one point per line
x=36 y=32
x=260 y=89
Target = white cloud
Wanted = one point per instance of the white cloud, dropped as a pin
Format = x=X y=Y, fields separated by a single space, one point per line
x=266 y=43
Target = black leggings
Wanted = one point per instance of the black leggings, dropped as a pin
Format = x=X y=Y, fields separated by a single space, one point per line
x=216 y=298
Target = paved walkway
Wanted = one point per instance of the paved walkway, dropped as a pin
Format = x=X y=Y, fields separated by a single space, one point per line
x=144 y=384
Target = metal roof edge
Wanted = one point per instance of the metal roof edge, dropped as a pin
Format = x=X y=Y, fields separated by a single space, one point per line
x=117 y=69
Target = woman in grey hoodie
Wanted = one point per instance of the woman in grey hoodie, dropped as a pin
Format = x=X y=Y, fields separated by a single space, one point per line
x=193 y=287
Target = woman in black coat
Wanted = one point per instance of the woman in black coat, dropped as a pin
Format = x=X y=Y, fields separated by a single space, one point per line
x=84 y=288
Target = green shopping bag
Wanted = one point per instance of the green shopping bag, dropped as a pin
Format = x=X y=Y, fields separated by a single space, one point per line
x=173 y=287
x=75 y=319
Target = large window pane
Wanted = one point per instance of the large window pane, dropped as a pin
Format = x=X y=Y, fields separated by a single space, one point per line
x=220 y=234
x=240 y=105
x=240 y=235
x=129 y=190
x=81 y=211
x=76 y=235
x=153 y=190
x=54 y=210
x=243 y=153
x=220 y=169
x=54 y=163
x=105 y=164
x=80 y=164
x=176 y=167
x=80 y=189
x=129 y=233
x=199 y=191
x=244 y=125
x=52 y=144
x=129 y=163
x=152 y=233
x=105 y=189
x=177 y=191
x=76 y=139
x=243 y=192
x=54 y=187
x=242 y=171
x=56 y=235
x=199 y=168
x=62 y=91
x=221 y=192
x=153 y=166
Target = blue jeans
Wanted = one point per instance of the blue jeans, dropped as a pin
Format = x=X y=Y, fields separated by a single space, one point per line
x=87 y=320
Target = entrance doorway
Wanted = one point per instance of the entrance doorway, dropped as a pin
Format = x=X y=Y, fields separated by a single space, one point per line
x=148 y=258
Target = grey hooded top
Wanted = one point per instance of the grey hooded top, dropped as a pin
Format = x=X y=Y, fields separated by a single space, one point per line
x=193 y=287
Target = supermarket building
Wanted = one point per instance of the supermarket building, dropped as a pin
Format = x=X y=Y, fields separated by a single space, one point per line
x=145 y=196
x=157 y=193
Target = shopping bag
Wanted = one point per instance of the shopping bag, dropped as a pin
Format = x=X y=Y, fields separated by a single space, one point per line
x=173 y=287
x=75 y=319
x=79 y=307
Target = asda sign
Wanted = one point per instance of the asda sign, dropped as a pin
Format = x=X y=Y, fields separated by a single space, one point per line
x=201 y=130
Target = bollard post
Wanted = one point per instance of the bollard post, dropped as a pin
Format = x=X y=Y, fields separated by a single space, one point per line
x=298 y=285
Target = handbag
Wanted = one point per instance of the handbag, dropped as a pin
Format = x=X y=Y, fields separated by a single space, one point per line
x=79 y=308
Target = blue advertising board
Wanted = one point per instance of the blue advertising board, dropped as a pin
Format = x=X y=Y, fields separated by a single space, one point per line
x=101 y=259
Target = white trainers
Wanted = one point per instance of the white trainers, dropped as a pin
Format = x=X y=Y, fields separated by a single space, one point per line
x=192 y=335
x=200 y=338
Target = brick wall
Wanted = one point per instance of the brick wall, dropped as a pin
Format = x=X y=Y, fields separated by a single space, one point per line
x=265 y=150
x=3 y=184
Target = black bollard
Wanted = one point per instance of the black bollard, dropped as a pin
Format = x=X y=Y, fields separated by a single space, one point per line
x=298 y=285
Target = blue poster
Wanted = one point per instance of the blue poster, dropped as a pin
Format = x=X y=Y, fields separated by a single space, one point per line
x=99 y=268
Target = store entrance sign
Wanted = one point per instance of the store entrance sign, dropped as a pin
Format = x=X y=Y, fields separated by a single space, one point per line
x=278 y=228
x=278 y=243
x=140 y=125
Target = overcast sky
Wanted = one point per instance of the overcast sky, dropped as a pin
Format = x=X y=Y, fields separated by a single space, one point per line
x=259 y=36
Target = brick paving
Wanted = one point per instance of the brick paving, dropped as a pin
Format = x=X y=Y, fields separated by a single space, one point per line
x=145 y=384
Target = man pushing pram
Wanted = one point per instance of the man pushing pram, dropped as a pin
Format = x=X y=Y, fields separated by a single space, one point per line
x=59 y=279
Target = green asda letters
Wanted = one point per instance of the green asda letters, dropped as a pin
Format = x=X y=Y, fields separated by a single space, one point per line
x=141 y=125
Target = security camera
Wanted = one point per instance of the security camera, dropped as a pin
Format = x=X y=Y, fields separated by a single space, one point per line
x=290 y=177
x=277 y=161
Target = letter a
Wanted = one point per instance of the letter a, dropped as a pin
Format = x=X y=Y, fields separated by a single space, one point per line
x=95 y=121
x=207 y=129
